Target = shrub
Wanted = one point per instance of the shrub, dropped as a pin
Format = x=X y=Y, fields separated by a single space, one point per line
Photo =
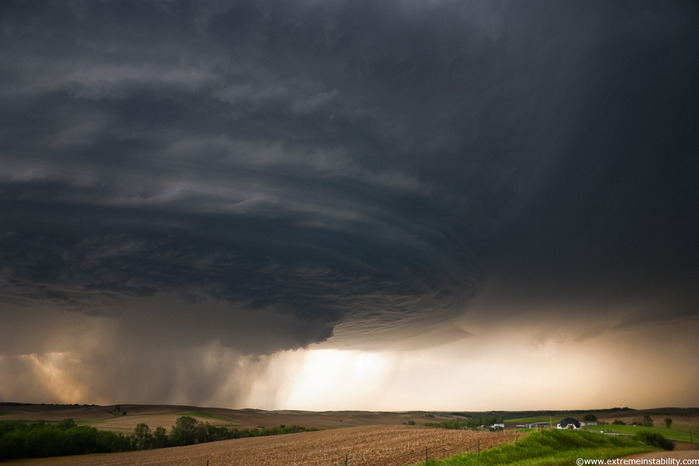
x=655 y=440
x=66 y=424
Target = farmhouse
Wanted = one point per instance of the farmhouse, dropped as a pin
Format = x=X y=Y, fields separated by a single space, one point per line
x=568 y=423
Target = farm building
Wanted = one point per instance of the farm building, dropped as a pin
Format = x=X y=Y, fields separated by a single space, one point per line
x=532 y=425
x=568 y=423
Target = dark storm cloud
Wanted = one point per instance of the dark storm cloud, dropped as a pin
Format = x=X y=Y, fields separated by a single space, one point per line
x=365 y=164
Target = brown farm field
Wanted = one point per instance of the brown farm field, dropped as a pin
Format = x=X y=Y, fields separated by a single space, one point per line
x=367 y=445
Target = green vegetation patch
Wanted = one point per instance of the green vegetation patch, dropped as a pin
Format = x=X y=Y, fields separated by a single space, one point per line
x=22 y=439
x=677 y=433
x=209 y=416
x=531 y=420
x=552 y=446
x=470 y=423
x=202 y=415
x=87 y=422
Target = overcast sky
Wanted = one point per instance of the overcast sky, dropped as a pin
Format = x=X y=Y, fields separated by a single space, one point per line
x=350 y=204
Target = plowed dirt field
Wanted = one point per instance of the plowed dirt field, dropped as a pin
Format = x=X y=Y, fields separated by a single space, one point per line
x=368 y=445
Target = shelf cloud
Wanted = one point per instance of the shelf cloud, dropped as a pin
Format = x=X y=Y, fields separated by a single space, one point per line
x=196 y=194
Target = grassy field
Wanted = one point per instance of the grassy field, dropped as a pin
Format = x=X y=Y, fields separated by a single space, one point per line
x=126 y=424
x=531 y=419
x=679 y=433
x=205 y=415
x=551 y=447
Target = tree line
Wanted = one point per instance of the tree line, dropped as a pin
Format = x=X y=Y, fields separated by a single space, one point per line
x=22 y=439
x=471 y=423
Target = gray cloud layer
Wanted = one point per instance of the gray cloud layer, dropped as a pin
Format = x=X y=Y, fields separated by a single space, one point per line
x=289 y=167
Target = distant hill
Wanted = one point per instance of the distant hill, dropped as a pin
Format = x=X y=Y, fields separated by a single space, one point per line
x=124 y=417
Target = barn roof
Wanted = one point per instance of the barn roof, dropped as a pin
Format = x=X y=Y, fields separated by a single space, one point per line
x=569 y=420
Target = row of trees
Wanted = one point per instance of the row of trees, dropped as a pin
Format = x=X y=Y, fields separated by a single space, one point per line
x=470 y=423
x=21 y=439
x=189 y=431
x=647 y=422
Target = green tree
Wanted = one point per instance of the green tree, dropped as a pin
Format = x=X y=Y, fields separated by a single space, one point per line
x=142 y=437
x=13 y=444
x=111 y=442
x=160 y=439
x=647 y=421
x=185 y=431
x=590 y=418
x=668 y=422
